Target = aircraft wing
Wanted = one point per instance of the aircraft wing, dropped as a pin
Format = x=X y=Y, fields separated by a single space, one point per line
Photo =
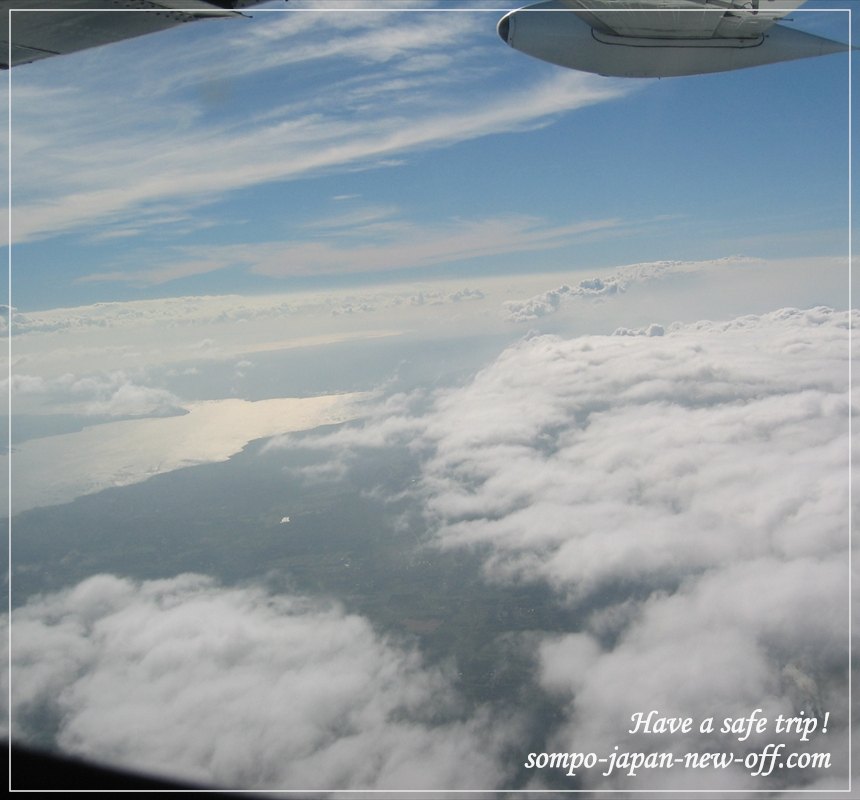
x=40 y=30
x=660 y=38
x=682 y=19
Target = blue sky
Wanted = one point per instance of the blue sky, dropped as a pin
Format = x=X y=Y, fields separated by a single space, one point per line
x=302 y=150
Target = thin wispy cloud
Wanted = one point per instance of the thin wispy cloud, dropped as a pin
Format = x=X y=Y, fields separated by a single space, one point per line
x=155 y=277
x=354 y=220
x=393 y=245
x=112 y=172
x=319 y=31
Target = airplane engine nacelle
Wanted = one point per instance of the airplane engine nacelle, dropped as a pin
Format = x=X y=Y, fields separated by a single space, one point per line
x=552 y=32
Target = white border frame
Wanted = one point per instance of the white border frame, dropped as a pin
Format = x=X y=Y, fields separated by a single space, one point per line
x=317 y=792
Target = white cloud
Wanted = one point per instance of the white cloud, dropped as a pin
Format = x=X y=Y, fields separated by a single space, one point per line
x=550 y=301
x=354 y=220
x=537 y=306
x=52 y=342
x=441 y=297
x=155 y=276
x=652 y=330
x=618 y=458
x=134 y=400
x=95 y=345
x=686 y=494
x=239 y=687
x=183 y=159
x=111 y=394
x=182 y=315
x=769 y=633
x=394 y=244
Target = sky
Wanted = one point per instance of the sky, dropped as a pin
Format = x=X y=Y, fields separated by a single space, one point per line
x=605 y=319
x=303 y=149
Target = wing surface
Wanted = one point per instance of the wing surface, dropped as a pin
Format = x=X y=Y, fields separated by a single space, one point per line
x=39 y=30
x=682 y=19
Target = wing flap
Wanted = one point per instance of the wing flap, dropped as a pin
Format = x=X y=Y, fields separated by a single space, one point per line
x=755 y=19
x=681 y=19
x=661 y=19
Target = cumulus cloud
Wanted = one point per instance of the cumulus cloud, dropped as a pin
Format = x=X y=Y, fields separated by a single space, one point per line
x=113 y=394
x=132 y=399
x=538 y=306
x=687 y=495
x=618 y=282
x=441 y=297
x=239 y=687
x=652 y=330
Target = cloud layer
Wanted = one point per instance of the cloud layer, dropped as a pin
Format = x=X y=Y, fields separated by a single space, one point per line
x=550 y=301
x=239 y=688
x=685 y=494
